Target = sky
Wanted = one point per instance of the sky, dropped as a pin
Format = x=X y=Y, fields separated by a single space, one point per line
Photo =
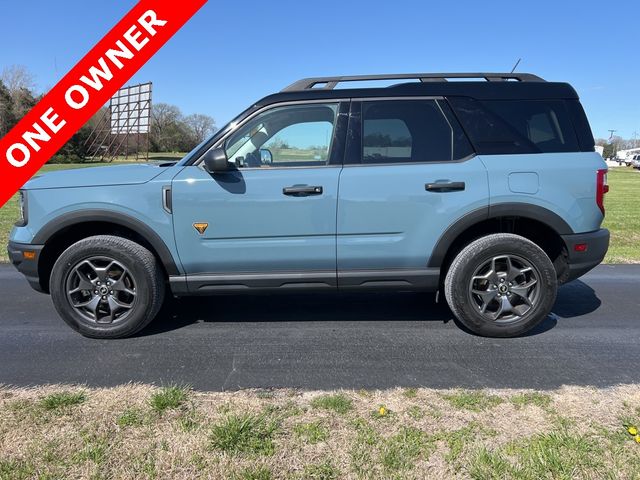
x=231 y=54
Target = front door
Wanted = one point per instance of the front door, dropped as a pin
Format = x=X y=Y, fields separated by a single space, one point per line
x=271 y=221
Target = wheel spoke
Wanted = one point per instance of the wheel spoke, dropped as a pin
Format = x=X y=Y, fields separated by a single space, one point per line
x=512 y=271
x=115 y=304
x=91 y=304
x=522 y=291
x=102 y=274
x=120 y=286
x=84 y=282
x=504 y=308
x=487 y=297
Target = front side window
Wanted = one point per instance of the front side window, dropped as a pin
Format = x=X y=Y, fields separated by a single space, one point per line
x=291 y=136
x=407 y=131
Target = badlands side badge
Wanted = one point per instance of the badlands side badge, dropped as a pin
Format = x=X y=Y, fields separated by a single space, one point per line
x=201 y=227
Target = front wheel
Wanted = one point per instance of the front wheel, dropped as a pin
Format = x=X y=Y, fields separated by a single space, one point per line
x=107 y=287
x=501 y=285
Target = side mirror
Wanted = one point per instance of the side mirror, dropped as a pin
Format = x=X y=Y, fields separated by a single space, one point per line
x=266 y=157
x=215 y=160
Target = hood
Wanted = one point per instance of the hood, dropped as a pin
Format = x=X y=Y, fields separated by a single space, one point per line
x=98 y=176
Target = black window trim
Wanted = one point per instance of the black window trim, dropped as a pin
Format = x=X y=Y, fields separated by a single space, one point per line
x=353 y=150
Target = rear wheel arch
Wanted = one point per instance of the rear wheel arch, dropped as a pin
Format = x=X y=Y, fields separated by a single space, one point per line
x=64 y=231
x=538 y=224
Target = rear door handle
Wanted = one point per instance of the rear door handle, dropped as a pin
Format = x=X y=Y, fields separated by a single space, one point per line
x=302 y=190
x=445 y=187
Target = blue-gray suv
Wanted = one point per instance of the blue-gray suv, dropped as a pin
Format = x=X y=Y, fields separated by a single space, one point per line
x=486 y=188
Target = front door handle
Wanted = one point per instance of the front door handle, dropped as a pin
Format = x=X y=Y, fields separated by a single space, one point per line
x=302 y=190
x=445 y=187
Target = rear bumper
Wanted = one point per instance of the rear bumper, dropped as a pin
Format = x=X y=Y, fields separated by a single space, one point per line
x=28 y=267
x=580 y=263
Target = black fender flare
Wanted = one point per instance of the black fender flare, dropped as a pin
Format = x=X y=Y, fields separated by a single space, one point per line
x=85 y=216
x=525 y=210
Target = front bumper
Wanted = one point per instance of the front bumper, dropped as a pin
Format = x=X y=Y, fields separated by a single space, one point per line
x=580 y=262
x=27 y=266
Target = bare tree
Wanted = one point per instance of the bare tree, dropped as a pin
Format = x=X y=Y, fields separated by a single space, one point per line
x=167 y=128
x=202 y=126
x=16 y=78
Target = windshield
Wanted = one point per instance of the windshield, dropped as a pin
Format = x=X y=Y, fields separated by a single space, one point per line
x=202 y=147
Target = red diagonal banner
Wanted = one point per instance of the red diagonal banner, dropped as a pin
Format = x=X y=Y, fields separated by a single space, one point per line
x=87 y=87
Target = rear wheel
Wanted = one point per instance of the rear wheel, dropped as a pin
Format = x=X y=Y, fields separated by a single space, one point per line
x=501 y=285
x=107 y=287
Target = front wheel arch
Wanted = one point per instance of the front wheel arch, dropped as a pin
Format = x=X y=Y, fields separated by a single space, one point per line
x=64 y=231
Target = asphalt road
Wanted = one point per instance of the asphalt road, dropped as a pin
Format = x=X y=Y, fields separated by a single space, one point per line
x=330 y=341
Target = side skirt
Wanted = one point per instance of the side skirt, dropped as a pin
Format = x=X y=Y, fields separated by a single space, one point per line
x=426 y=279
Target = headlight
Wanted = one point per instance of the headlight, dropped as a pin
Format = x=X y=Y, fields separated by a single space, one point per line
x=22 y=209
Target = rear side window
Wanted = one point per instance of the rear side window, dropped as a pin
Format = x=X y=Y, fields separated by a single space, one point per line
x=408 y=131
x=517 y=126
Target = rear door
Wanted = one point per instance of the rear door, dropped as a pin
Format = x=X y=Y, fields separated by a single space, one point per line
x=271 y=222
x=409 y=174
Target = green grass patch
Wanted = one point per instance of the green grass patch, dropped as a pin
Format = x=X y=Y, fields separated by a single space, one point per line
x=169 y=398
x=244 y=434
x=416 y=412
x=486 y=464
x=473 y=400
x=321 y=471
x=131 y=417
x=312 y=432
x=410 y=392
x=623 y=215
x=338 y=403
x=459 y=441
x=400 y=452
x=558 y=454
x=254 y=473
x=59 y=400
x=190 y=421
x=16 y=470
x=94 y=449
x=538 y=399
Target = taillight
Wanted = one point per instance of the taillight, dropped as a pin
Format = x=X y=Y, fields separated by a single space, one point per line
x=601 y=188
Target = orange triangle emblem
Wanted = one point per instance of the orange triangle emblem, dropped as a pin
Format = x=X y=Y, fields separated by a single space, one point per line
x=201 y=227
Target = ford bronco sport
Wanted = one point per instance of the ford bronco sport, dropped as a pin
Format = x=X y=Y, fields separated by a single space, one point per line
x=486 y=188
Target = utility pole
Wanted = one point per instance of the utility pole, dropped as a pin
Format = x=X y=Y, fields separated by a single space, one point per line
x=615 y=153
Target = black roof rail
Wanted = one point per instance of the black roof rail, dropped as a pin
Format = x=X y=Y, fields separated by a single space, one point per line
x=329 y=83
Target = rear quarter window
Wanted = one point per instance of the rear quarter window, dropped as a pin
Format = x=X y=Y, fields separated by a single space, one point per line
x=517 y=126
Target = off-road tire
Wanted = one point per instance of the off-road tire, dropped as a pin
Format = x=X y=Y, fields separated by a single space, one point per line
x=458 y=286
x=145 y=273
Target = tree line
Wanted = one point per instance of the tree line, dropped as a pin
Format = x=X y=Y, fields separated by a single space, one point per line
x=169 y=129
x=615 y=144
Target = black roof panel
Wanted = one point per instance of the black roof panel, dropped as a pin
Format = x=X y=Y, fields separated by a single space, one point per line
x=475 y=89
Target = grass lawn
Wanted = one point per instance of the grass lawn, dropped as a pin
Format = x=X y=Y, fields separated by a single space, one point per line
x=138 y=431
x=622 y=204
x=153 y=157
